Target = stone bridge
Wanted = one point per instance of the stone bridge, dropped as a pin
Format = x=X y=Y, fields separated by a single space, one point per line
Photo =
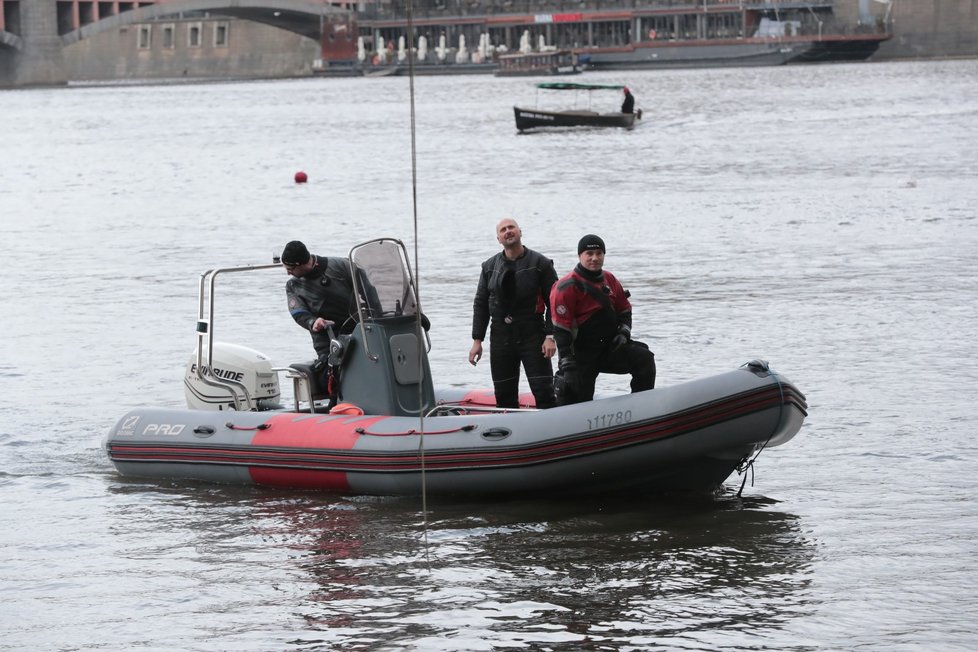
x=34 y=32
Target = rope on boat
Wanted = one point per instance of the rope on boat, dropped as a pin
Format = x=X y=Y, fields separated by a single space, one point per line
x=412 y=431
x=417 y=275
x=748 y=464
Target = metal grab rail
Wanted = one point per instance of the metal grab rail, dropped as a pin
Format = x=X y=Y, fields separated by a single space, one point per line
x=297 y=376
x=205 y=330
x=456 y=409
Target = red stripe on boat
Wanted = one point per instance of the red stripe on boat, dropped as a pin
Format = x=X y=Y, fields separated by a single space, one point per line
x=291 y=431
x=299 y=478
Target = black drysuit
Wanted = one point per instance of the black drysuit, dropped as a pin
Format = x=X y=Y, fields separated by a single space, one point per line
x=327 y=292
x=514 y=295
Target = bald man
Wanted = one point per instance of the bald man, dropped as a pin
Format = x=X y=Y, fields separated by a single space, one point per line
x=514 y=295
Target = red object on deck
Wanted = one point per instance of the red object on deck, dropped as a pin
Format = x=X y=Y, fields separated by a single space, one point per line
x=300 y=177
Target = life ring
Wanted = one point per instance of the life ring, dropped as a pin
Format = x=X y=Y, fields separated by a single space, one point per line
x=651 y=34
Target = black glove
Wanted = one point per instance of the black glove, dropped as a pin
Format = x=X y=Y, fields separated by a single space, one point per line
x=622 y=338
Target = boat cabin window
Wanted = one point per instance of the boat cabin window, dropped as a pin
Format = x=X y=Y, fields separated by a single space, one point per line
x=615 y=33
x=724 y=26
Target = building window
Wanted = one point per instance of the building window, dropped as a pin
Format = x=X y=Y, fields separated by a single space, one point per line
x=221 y=35
x=193 y=35
x=145 y=36
x=168 y=40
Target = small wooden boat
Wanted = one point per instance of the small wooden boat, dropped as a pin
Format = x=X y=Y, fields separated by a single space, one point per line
x=394 y=434
x=536 y=118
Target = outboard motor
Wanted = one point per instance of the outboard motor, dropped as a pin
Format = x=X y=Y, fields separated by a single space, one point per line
x=236 y=369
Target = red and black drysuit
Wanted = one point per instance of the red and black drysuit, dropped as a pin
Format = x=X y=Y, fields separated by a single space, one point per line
x=592 y=320
x=513 y=294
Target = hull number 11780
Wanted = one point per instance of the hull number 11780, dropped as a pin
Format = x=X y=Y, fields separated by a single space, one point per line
x=610 y=419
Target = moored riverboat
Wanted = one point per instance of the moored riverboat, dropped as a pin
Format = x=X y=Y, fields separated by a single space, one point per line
x=642 y=34
x=832 y=48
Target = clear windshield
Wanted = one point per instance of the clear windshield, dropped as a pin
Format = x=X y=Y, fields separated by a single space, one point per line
x=383 y=279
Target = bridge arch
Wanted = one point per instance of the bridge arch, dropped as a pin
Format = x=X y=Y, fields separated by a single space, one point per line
x=300 y=16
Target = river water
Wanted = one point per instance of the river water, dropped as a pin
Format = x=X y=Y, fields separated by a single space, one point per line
x=822 y=218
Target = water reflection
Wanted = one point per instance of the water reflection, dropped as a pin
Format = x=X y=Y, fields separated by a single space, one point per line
x=585 y=575
x=624 y=573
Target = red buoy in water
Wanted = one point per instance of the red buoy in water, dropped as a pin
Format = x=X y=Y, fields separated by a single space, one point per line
x=300 y=177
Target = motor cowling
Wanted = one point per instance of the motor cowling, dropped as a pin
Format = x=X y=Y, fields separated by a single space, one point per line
x=239 y=367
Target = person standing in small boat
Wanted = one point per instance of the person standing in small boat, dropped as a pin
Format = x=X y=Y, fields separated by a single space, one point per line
x=513 y=293
x=592 y=319
x=628 y=105
x=320 y=294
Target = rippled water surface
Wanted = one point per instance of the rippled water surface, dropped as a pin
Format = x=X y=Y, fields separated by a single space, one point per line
x=822 y=218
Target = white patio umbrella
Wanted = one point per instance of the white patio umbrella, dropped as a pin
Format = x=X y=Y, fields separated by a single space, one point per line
x=441 y=50
x=422 y=48
x=462 y=55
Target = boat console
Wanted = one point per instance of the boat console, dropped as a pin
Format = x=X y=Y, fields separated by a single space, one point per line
x=382 y=367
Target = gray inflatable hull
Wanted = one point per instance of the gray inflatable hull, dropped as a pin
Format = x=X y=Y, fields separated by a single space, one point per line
x=690 y=436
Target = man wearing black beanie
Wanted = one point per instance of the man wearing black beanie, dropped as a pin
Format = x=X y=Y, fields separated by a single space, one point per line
x=592 y=320
x=320 y=293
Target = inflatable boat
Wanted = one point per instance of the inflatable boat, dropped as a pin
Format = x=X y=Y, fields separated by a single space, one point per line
x=394 y=434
